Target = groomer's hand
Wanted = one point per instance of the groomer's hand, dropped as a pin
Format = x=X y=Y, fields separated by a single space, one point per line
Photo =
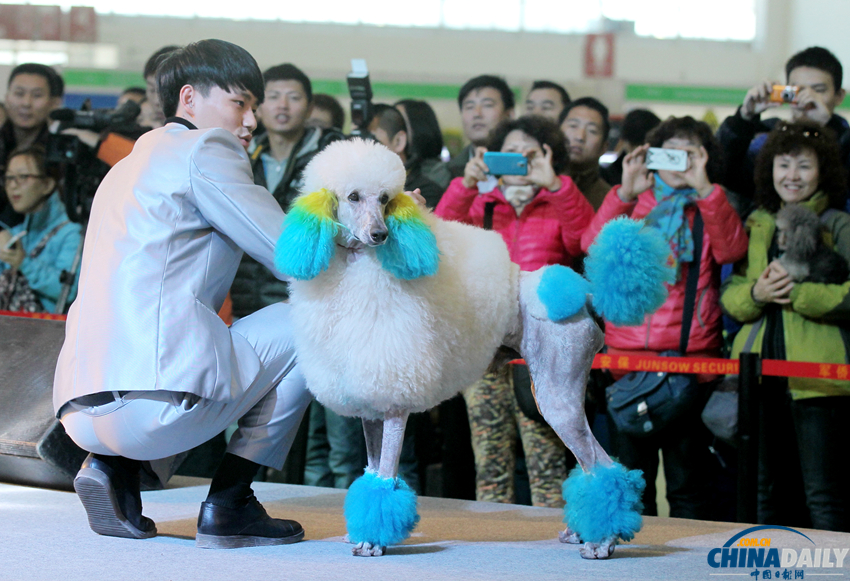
x=774 y=285
x=475 y=170
x=418 y=198
x=636 y=178
x=757 y=101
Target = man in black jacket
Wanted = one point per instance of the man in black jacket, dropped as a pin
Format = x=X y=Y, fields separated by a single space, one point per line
x=278 y=158
x=818 y=75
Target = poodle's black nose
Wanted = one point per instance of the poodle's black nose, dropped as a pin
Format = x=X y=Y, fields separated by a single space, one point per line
x=378 y=236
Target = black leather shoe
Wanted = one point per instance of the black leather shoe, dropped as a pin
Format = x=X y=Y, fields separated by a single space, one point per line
x=112 y=501
x=249 y=526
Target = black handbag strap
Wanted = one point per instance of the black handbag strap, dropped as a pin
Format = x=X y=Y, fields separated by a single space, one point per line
x=691 y=285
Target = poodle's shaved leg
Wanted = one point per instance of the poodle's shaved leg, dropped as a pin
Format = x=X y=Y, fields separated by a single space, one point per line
x=387 y=437
x=391 y=442
x=559 y=356
x=373 y=430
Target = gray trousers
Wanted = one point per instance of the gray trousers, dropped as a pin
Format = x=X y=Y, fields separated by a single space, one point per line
x=152 y=425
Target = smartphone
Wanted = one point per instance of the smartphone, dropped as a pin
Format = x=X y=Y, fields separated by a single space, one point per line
x=506 y=164
x=667 y=159
x=14 y=239
x=784 y=93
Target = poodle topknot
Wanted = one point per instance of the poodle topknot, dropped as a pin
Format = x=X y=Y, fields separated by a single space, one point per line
x=356 y=164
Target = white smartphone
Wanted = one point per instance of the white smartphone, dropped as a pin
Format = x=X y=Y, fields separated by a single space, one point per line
x=666 y=159
x=14 y=239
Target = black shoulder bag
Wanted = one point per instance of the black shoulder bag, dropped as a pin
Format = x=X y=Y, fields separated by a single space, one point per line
x=642 y=403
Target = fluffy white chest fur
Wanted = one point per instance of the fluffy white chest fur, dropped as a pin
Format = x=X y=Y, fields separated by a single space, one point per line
x=370 y=343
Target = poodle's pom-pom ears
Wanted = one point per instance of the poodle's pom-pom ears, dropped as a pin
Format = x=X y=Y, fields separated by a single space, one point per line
x=306 y=245
x=627 y=267
x=411 y=247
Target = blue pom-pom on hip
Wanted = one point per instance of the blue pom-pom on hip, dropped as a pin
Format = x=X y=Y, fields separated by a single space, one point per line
x=627 y=266
x=562 y=291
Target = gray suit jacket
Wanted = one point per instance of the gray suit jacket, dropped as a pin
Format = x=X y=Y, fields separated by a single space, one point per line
x=167 y=229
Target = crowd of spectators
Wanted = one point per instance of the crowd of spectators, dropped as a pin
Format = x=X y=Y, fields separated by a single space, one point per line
x=487 y=443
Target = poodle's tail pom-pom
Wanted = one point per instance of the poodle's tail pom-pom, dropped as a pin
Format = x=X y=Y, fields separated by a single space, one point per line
x=380 y=511
x=563 y=291
x=604 y=502
x=411 y=247
x=627 y=266
x=306 y=245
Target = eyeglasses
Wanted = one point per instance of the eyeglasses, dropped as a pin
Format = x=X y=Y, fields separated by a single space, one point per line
x=12 y=180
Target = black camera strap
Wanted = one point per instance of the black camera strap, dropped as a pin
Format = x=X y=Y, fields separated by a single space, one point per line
x=691 y=285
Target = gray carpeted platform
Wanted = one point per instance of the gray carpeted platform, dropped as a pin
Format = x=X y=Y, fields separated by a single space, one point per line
x=44 y=536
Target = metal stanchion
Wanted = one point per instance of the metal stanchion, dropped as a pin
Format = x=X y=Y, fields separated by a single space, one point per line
x=748 y=436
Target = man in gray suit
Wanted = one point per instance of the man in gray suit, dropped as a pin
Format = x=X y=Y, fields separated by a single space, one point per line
x=148 y=370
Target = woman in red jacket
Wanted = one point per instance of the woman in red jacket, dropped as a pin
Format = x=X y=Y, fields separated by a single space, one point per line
x=541 y=217
x=668 y=201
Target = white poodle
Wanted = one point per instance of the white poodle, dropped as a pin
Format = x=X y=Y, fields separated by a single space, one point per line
x=396 y=310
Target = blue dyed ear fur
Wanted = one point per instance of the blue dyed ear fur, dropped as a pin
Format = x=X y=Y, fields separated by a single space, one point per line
x=411 y=247
x=627 y=268
x=563 y=292
x=307 y=243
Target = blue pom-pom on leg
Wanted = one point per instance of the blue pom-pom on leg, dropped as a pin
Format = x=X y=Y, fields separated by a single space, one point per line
x=604 y=502
x=380 y=511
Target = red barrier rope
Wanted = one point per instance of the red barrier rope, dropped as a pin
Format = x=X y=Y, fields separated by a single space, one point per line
x=706 y=365
x=47 y=316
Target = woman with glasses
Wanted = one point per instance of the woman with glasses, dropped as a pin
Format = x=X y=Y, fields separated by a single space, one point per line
x=34 y=254
x=803 y=469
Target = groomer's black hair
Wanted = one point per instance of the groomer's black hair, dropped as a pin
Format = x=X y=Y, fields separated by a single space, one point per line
x=54 y=80
x=206 y=64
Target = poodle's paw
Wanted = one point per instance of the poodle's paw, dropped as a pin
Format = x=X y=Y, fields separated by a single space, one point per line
x=365 y=549
x=568 y=535
x=601 y=550
x=346 y=539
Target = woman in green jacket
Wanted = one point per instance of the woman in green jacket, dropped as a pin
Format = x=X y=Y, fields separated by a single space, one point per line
x=803 y=471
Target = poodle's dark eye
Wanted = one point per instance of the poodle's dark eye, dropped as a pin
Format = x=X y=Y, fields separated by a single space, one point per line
x=354 y=196
x=385 y=198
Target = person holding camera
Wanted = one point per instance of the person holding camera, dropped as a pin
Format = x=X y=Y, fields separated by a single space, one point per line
x=34 y=90
x=814 y=78
x=541 y=217
x=35 y=253
x=671 y=201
